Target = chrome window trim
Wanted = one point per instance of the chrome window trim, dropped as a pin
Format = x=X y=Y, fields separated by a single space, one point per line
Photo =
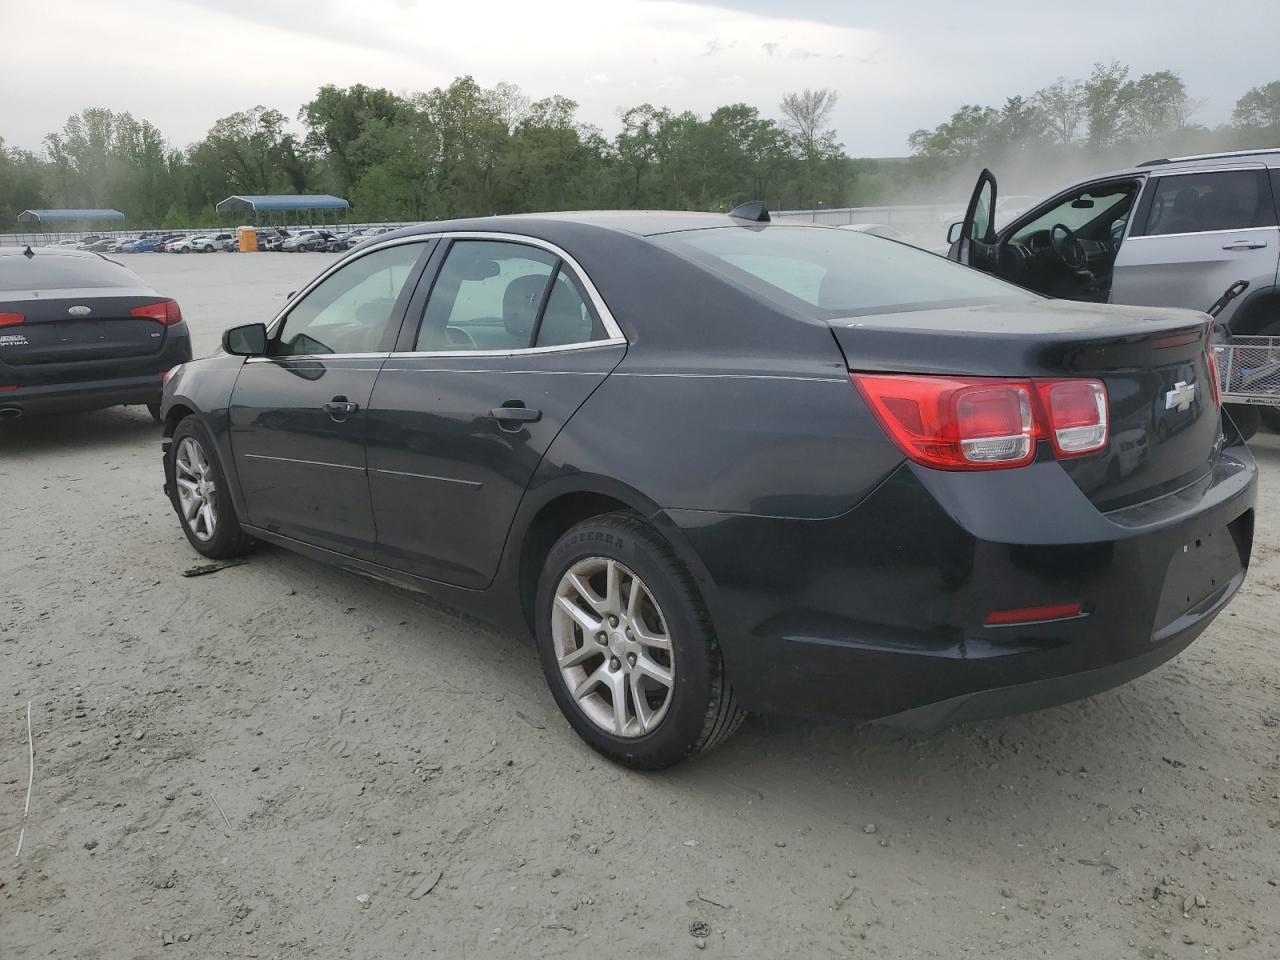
x=1201 y=233
x=519 y=352
x=615 y=338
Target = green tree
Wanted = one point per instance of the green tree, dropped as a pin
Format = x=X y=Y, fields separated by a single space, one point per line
x=1103 y=94
x=335 y=120
x=1259 y=107
x=805 y=116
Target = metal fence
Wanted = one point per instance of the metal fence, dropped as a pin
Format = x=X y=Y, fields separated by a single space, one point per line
x=1249 y=370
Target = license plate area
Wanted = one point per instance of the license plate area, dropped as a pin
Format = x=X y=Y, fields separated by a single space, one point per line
x=1199 y=568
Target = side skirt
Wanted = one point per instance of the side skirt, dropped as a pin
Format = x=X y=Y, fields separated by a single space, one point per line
x=495 y=605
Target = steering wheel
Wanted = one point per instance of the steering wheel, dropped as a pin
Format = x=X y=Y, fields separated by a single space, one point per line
x=1068 y=247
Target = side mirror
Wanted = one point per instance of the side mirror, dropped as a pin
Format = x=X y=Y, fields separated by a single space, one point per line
x=249 y=340
x=953 y=231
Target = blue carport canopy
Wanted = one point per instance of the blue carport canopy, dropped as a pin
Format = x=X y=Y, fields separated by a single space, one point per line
x=283 y=201
x=49 y=216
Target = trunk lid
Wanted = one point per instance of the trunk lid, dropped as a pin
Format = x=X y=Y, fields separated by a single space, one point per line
x=1164 y=425
x=53 y=343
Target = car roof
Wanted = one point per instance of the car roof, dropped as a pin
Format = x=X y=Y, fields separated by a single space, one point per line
x=639 y=223
x=50 y=252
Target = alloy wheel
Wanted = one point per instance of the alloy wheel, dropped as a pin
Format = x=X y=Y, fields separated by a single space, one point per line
x=613 y=647
x=197 y=490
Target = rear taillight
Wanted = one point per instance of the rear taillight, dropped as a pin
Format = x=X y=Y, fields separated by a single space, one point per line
x=1210 y=360
x=11 y=319
x=166 y=311
x=963 y=423
x=1077 y=415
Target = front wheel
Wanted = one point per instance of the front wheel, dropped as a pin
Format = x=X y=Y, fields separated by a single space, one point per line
x=200 y=494
x=628 y=647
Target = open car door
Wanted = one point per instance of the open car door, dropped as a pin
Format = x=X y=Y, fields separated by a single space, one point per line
x=973 y=240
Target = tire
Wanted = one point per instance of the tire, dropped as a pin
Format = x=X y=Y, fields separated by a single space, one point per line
x=696 y=710
x=208 y=248
x=226 y=539
x=1245 y=417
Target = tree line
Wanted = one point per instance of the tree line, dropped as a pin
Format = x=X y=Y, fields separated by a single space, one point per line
x=464 y=150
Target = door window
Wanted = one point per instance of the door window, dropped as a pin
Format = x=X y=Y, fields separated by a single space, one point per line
x=1110 y=201
x=486 y=297
x=1199 y=202
x=351 y=309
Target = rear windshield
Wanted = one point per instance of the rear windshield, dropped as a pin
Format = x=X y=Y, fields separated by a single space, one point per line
x=830 y=273
x=56 y=272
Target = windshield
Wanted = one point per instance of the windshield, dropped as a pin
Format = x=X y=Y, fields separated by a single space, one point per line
x=830 y=273
x=60 y=272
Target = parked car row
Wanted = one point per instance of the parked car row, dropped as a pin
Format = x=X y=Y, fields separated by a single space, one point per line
x=297 y=240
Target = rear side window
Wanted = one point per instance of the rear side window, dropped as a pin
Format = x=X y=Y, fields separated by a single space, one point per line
x=567 y=318
x=1199 y=202
x=830 y=273
x=55 y=272
x=487 y=297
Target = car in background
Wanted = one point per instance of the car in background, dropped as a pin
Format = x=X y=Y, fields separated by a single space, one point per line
x=272 y=238
x=198 y=243
x=80 y=332
x=123 y=245
x=63 y=244
x=951 y=498
x=84 y=243
x=1171 y=232
x=877 y=230
x=101 y=245
x=163 y=243
x=144 y=244
x=305 y=241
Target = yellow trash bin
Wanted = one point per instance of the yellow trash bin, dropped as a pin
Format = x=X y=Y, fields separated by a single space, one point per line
x=248 y=237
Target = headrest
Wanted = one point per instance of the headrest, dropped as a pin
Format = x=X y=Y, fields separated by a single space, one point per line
x=520 y=305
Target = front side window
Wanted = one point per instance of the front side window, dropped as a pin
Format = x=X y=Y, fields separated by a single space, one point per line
x=1077 y=212
x=830 y=273
x=351 y=309
x=1200 y=202
x=487 y=296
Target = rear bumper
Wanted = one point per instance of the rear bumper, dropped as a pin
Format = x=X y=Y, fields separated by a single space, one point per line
x=89 y=395
x=880 y=612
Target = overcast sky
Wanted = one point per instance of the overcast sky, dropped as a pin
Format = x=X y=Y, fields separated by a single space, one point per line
x=897 y=64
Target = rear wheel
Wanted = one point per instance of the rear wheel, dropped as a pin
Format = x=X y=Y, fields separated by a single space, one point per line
x=200 y=494
x=628 y=648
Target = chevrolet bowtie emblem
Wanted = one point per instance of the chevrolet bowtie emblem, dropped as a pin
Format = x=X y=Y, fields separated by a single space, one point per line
x=1180 y=397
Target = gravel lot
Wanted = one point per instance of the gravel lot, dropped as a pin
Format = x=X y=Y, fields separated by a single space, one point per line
x=281 y=760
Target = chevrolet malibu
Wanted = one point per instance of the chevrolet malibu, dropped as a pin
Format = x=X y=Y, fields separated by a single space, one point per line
x=716 y=464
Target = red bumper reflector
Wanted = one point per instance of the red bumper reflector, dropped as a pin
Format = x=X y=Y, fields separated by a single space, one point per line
x=1052 y=611
x=10 y=319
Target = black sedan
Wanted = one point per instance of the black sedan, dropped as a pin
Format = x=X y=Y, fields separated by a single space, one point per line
x=79 y=332
x=717 y=464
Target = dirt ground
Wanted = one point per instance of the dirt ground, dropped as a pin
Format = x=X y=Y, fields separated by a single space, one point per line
x=281 y=760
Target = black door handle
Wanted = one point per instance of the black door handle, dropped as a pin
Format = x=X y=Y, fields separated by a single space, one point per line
x=339 y=408
x=520 y=414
